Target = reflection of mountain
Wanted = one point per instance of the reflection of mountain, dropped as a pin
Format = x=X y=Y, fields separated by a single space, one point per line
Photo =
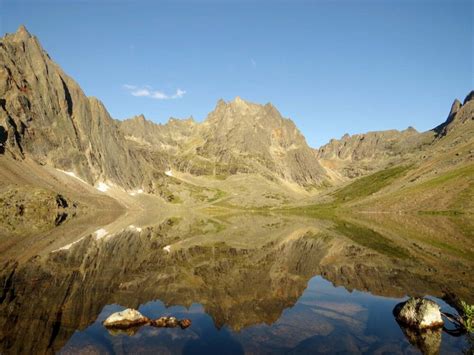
x=244 y=270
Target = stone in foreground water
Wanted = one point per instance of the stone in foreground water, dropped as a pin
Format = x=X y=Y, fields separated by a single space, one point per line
x=419 y=313
x=126 y=319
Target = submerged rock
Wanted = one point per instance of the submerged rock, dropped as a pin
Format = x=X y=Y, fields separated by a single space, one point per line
x=184 y=323
x=419 y=313
x=127 y=318
x=171 y=322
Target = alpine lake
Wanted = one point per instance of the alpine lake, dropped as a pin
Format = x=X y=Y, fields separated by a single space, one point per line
x=250 y=282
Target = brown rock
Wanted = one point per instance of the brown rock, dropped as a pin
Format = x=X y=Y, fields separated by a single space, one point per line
x=184 y=323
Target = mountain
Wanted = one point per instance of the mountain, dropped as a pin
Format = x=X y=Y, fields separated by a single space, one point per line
x=45 y=116
x=408 y=171
x=360 y=154
x=242 y=155
x=237 y=137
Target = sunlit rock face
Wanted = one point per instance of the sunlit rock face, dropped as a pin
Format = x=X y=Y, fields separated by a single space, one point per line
x=419 y=313
x=236 y=137
x=126 y=319
x=45 y=115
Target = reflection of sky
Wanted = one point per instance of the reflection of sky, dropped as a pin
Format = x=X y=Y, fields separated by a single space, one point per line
x=325 y=319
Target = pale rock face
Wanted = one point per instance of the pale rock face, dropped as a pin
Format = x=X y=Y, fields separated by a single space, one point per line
x=360 y=154
x=44 y=115
x=126 y=318
x=419 y=313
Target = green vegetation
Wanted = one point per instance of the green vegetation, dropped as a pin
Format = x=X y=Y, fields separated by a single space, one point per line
x=468 y=316
x=464 y=172
x=441 y=213
x=360 y=188
x=369 y=185
x=206 y=226
x=218 y=195
x=322 y=211
x=370 y=239
x=462 y=179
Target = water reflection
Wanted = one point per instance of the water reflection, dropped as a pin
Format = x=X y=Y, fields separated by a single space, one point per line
x=242 y=279
x=325 y=319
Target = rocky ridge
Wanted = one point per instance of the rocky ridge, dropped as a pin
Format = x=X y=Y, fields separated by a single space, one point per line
x=45 y=115
x=47 y=118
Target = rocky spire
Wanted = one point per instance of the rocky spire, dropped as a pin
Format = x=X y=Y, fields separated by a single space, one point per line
x=455 y=107
x=22 y=33
x=469 y=97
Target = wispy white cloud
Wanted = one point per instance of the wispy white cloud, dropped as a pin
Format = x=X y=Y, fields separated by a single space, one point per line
x=140 y=92
x=129 y=87
x=179 y=94
x=147 y=91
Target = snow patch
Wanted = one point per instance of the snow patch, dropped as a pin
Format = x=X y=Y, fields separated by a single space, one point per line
x=167 y=248
x=66 y=247
x=138 y=229
x=136 y=192
x=71 y=173
x=100 y=233
x=169 y=172
x=102 y=187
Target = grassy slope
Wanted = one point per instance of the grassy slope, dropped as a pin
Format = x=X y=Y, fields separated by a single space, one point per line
x=389 y=190
x=451 y=192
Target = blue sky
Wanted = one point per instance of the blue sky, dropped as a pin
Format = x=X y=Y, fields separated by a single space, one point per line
x=331 y=66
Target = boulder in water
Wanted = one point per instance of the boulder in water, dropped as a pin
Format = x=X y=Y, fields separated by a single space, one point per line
x=126 y=319
x=419 y=313
x=168 y=322
x=184 y=323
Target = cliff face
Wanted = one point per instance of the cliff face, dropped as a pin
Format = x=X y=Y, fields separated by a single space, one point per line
x=45 y=115
x=360 y=154
x=460 y=119
x=237 y=137
x=257 y=137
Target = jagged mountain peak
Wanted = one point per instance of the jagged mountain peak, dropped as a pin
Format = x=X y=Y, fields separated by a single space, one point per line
x=240 y=112
x=455 y=107
x=458 y=114
x=181 y=121
x=240 y=103
x=139 y=118
x=469 y=97
x=23 y=32
x=22 y=35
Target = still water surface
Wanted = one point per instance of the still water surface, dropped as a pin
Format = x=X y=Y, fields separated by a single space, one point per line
x=325 y=319
x=250 y=283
